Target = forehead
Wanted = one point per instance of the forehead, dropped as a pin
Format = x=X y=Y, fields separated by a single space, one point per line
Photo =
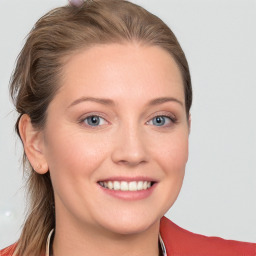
x=121 y=72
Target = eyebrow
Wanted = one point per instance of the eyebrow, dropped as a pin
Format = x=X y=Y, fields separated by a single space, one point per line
x=163 y=100
x=109 y=102
x=97 y=100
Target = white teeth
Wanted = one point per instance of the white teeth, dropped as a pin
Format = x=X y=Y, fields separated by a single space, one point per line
x=126 y=186
x=110 y=185
x=140 y=185
x=117 y=185
x=132 y=186
x=145 y=185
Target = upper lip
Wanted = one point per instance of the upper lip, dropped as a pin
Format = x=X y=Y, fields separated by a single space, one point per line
x=125 y=178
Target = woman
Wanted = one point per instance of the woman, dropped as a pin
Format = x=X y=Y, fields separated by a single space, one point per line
x=104 y=94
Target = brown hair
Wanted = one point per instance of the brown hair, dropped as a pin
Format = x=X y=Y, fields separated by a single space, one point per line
x=34 y=83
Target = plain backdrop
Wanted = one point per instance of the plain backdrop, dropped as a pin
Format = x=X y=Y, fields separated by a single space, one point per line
x=218 y=197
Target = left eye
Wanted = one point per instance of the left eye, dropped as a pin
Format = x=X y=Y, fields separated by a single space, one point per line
x=94 y=120
x=160 y=120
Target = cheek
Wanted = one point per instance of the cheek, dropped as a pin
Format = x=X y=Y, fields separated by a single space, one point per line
x=73 y=159
x=171 y=152
x=73 y=154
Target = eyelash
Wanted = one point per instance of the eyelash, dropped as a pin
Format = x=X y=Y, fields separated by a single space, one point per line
x=172 y=119
x=82 y=121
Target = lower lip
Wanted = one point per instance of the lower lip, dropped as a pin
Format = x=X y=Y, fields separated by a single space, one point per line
x=129 y=195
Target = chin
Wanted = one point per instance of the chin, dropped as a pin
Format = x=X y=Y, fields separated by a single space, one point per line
x=128 y=225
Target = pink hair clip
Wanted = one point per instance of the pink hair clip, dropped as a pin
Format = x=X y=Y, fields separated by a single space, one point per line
x=76 y=3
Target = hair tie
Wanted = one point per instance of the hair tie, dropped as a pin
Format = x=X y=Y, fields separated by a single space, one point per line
x=76 y=3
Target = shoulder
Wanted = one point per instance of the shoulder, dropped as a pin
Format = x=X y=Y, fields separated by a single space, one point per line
x=179 y=241
x=8 y=251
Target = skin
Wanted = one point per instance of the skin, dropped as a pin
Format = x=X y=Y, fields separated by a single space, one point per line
x=126 y=143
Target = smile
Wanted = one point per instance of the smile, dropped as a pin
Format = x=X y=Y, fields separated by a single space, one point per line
x=126 y=186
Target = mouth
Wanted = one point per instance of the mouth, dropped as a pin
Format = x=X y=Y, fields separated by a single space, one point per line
x=126 y=185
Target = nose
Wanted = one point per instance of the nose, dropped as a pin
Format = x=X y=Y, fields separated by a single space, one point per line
x=130 y=147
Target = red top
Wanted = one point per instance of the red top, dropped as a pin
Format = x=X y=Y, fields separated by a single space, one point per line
x=180 y=242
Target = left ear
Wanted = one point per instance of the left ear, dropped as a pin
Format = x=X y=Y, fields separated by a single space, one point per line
x=33 y=142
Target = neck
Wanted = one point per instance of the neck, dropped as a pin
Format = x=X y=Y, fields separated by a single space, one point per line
x=86 y=240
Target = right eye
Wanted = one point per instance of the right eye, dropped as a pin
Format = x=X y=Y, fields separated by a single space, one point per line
x=94 y=120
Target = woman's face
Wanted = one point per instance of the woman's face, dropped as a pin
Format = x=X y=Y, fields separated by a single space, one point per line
x=118 y=121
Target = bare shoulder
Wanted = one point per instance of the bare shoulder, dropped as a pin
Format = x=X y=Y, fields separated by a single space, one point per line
x=182 y=242
x=8 y=251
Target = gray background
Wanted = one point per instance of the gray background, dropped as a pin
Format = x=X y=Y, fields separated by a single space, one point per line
x=218 y=197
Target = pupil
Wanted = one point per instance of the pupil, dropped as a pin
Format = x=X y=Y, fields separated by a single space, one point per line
x=159 y=120
x=94 y=120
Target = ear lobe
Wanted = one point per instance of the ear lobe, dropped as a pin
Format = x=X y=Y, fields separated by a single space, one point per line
x=33 y=144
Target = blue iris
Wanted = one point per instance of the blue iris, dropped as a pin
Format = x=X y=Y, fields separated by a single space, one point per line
x=159 y=120
x=93 y=120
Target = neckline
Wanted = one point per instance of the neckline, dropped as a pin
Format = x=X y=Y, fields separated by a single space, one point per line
x=49 y=251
